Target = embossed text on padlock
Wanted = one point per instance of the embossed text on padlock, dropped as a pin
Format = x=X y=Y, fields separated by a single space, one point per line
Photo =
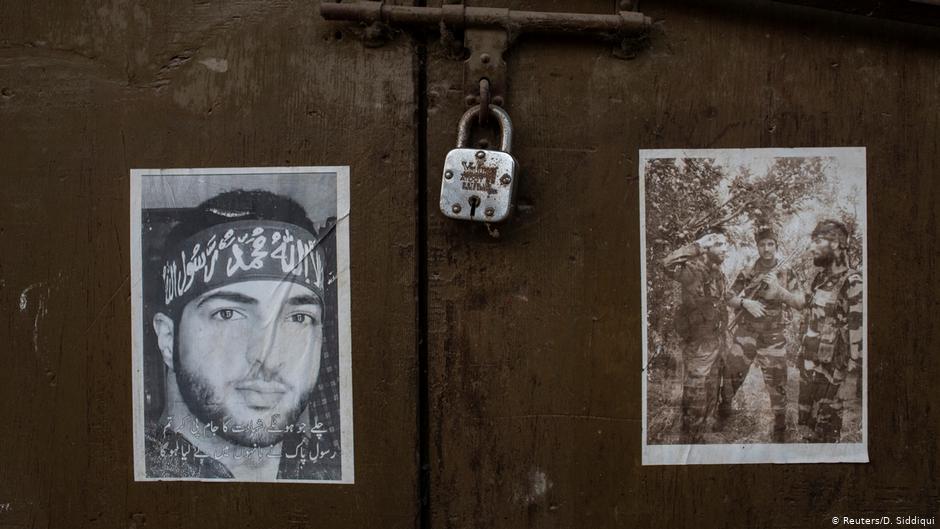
x=480 y=184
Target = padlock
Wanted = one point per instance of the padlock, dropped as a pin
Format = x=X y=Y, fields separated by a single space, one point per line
x=480 y=184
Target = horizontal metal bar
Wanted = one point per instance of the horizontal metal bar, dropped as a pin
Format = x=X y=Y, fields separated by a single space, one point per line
x=458 y=16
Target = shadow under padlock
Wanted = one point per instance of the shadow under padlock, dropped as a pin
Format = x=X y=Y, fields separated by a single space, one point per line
x=479 y=182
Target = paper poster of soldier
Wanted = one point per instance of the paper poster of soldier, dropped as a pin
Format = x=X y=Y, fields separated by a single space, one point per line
x=754 y=274
x=241 y=314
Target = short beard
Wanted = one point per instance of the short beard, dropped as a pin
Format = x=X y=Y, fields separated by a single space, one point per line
x=823 y=261
x=206 y=406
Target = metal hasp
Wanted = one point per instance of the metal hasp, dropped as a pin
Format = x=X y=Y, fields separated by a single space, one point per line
x=480 y=184
x=488 y=32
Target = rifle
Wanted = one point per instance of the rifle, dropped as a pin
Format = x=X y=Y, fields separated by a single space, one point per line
x=751 y=290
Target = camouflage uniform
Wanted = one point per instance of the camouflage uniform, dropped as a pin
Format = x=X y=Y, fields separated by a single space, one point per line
x=832 y=343
x=832 y=346
x=761 y=338
x=701 y=322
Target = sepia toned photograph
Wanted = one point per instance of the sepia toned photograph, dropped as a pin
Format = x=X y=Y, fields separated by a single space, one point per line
x=754 y=304
x=241 y=314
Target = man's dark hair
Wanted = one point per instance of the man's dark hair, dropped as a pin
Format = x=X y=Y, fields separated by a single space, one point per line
x=239 y=204
x=832 y=229
x=765 y=232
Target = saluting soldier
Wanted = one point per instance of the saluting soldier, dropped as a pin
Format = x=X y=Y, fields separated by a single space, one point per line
x=759 y=329
x=701 y=322
x=832 y=344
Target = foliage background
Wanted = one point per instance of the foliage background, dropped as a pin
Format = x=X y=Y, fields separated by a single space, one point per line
x=740 y=190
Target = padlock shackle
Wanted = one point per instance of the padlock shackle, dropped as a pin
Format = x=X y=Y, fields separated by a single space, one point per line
x=505 y=126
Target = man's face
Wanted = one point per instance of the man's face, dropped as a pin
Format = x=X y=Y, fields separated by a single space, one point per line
x=823 y=251
x=767 y=248
x=250 y=351
x=719 y=248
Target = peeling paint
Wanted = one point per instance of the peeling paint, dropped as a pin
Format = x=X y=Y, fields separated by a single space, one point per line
x=539 y=485
x=24 y=296
x=215 y=65
x=535 y=489
x=40 y=312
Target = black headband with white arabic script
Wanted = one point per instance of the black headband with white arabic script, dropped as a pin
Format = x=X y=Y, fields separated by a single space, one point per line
x=238 y=251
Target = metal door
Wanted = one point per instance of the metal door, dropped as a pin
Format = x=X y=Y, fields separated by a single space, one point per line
x=534 y=344
x=496 y=372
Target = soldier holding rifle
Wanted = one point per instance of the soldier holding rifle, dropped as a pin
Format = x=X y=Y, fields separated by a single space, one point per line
x=758 y=328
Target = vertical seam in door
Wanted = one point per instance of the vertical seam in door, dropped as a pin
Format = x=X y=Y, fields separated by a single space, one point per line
x=421 y=196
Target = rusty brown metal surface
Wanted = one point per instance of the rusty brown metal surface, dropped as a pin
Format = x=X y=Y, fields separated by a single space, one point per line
x=460 y=16
x=90 y=90
x=534 y=337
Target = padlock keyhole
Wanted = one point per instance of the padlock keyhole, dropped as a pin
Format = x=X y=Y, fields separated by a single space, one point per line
x=474 y=203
